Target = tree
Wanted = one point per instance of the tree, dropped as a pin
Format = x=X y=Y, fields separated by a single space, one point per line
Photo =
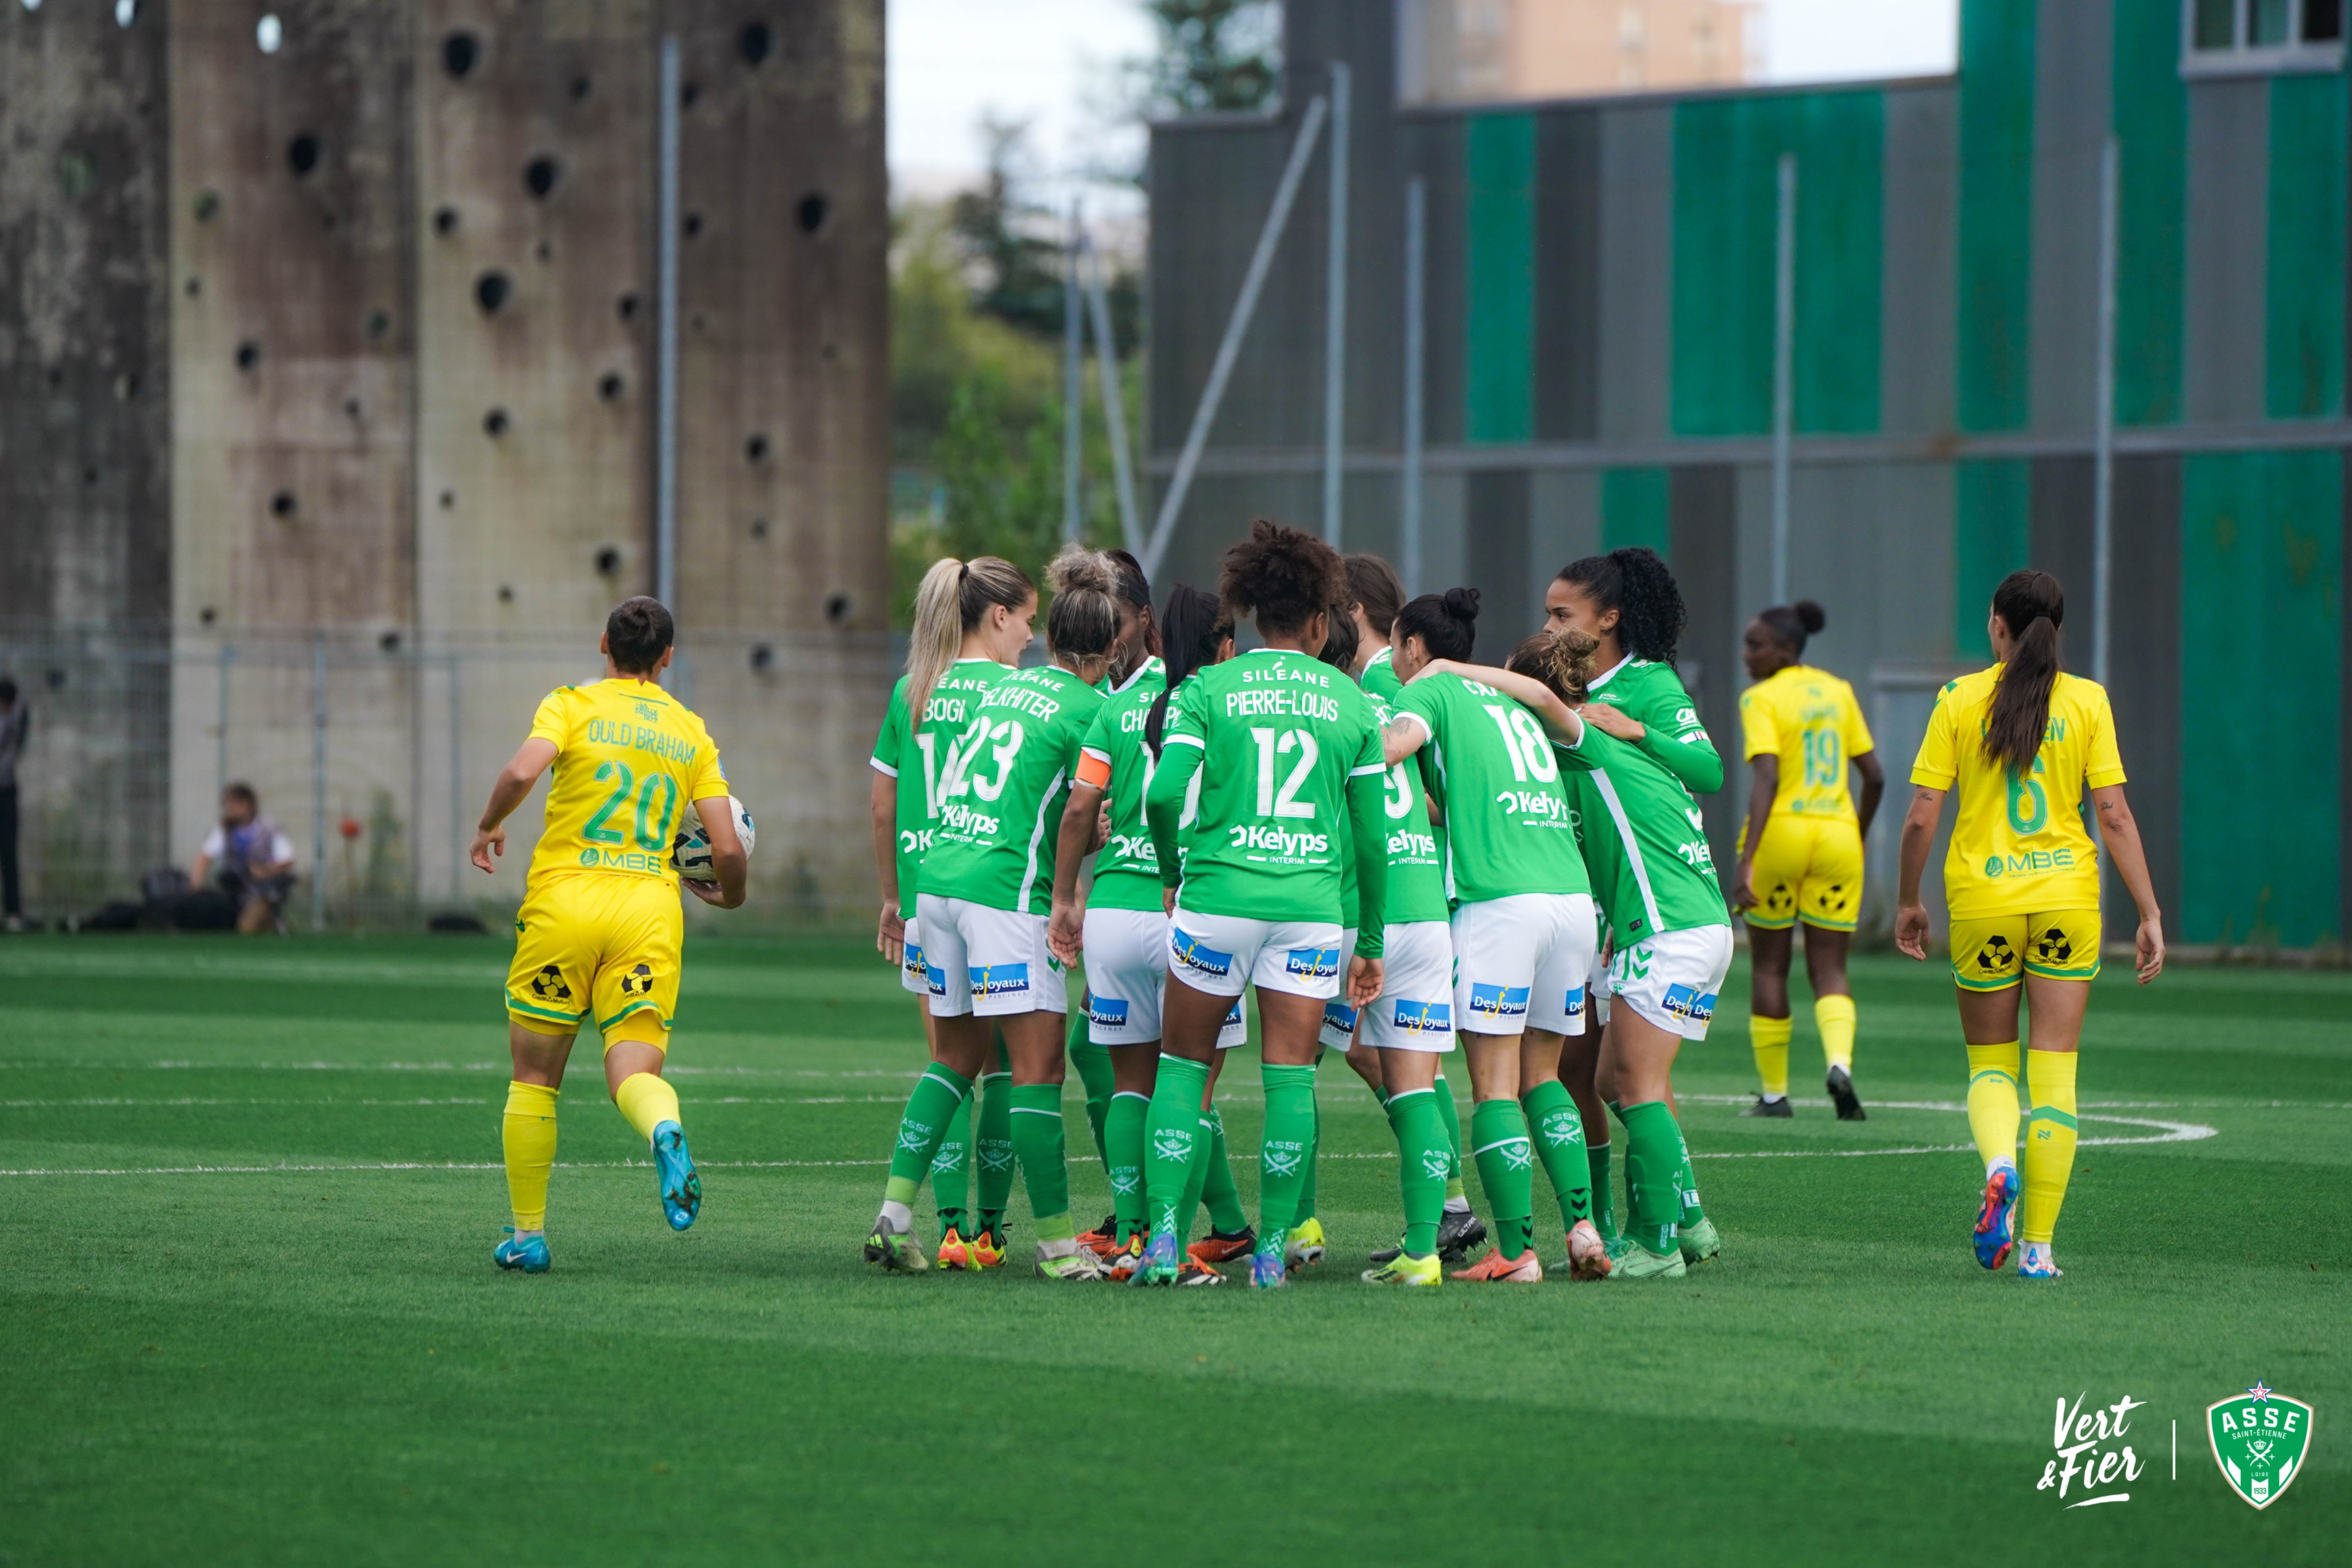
x=1213 y=55
x=1007 y=237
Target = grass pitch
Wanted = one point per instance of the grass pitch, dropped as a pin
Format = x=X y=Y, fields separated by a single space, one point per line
x=247 y=1310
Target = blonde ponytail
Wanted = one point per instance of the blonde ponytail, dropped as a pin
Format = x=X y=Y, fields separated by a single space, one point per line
x=939 y=634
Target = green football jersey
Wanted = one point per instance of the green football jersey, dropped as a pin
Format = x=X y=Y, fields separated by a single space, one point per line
x=1288 y=754
x=1654 y=696
x=1644 y=840
x=1380 y=677
x=1416 y=868
x=914 y=757
x=1506 y=819
x=1006 y=778
x=1127 y=868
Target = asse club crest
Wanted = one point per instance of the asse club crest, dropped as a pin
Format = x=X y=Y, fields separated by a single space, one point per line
x=2259 y=1439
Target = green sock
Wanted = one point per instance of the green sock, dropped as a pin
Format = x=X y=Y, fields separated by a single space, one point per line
x=951 y=1169
x=1654 y=1154
x=1314 y=1153
x=1421 y=1166
x=1044 y=1167
x=1093 y=1062
x=1505 y=1156
x=922 y=1128
x=1289 y=1142
x=1215 y=1186
x=1687 y=1185
x=1382 y=1096
x=1560 y=1145
x=1604 y=1199
x=1123 y=1127
x=991 y=1143
x=1172 y=1131
x=1452 y=1119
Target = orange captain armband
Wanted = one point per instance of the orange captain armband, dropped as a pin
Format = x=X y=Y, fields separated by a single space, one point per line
x=1094 y=768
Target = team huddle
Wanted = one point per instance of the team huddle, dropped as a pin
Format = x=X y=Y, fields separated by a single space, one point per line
x=1400 y=851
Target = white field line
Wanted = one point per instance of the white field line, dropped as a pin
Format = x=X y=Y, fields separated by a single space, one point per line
x=474 y=1103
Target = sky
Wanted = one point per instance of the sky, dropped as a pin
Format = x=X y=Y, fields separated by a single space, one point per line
x=1052 y=63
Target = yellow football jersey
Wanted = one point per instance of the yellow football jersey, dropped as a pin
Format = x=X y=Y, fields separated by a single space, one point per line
x=628 y=759
x=1809 y=720
x=2019 y=845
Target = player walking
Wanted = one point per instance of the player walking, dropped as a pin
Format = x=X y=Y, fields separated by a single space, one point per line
x=1800 y=846
x=601 y=933
x=2022 y=742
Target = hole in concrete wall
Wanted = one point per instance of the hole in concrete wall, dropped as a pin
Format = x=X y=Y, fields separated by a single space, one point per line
x=56 y=375
x=763 y=657
x=544 y=251
x=830 y=351
x=378 y=324
x=538 y=175
x=460 y=51
x=448 y=499
x=490 y=291
x=755 y=41
x=207 y=615
x=494 y=423
x=608 y=561
x=389 y=642
x=207 y=205
x=687 y=94
x=579 y=89
x=506 y=594
x=446 y=221
x=327 y=223
x=268 y=34
x=249 y=354
x=90 y=476
x=813 y=211
x=627 y=305
x=195 y=286
x=695 y=321
x=759 y=528
x=302 y=154
x=351 y=408
x=693 y=224
x=837 y=606
x=610 y=386
x=281 y=505
x=756 y=449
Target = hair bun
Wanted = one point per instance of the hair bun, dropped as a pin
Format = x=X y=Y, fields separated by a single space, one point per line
x=1076 y=569
x=1810 y=616
x=1461 y=603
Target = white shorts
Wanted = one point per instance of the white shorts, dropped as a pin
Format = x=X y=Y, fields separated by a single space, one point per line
x=1523 y=962
x=1223 y=955
x=1672 y=979
x=910 y=967
x=1415 y=1011
x=1338 y=1019
x=1127 y=977
x=989 y=962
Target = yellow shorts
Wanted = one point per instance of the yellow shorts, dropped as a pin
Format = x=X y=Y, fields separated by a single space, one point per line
x=1806 y=868
x=1998 y=951
x=599 y=946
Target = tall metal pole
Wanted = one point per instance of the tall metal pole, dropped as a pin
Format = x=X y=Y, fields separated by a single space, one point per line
x=1114 y=400
x=457 y=838
x=1335 y=311
x=665 y=340
x=318 y=781
x=1074 y=391
x=1784 y=341
x=2103 y=492
x=1416 y=267
x=220 y=758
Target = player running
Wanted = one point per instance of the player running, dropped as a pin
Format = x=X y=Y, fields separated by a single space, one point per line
x=1288 y=757
x=2023 y=742
x=1523 y=930
x=1800 y=847
x=601 y=933
x=969 y=629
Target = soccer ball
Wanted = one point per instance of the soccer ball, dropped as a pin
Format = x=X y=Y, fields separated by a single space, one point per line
x=691 y=852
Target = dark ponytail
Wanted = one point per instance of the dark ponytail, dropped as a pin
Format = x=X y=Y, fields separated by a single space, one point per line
x=1342 y=642
x=1793 y=623
x=1192 y=625
x=1635 y=583
x=2032 y=606
x=1447 y=623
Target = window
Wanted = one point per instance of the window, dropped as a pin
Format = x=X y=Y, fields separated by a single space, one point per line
x=2240 y=38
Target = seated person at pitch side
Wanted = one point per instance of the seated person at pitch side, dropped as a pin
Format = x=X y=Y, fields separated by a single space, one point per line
x=247 y=857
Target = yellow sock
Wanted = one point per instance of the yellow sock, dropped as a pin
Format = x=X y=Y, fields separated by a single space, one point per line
x=646 y=1102
x=2049 y=1141
x=1834 y=1016
x=529 y=1135
x=1992 y=1102
x=1769 y=1038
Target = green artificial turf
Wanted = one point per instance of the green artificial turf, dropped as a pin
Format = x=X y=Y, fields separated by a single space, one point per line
x=315 y=1360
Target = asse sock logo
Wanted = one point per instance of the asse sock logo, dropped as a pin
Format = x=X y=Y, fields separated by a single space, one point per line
x=2259 y=1440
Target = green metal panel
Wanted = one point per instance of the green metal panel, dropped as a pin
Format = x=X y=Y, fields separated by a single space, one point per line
x=1499 y=278
x=2303 y=294
x=1992 y=527
x=1726 y=199
x=2262 y=776
x=2151 y=125
x=1994 y=366
x=1636 y=510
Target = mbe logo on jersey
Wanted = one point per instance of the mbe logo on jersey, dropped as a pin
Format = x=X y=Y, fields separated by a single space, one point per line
x=2259 y=1439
